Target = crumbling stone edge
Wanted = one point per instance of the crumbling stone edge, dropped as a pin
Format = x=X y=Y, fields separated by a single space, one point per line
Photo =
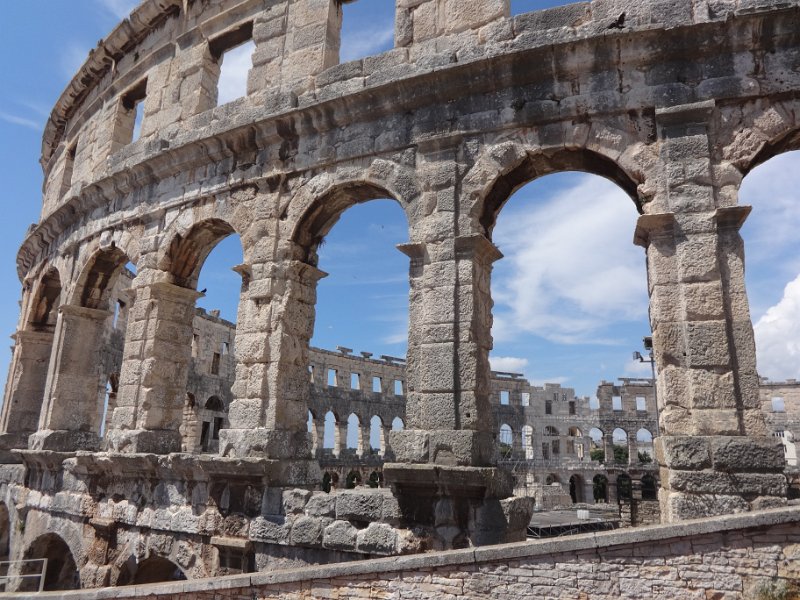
x=604 y=540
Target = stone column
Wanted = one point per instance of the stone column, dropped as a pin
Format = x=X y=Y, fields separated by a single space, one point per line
x=386 y=449
x=340 y=438
x=364 y=447
x=269 y=413
x=444 y=456
x=633 y=452
x=319 y=435
x=608 y=448
x=448 y=412
x=155 y=370
x=27 y=375
x=74 y=391
x=713 y=448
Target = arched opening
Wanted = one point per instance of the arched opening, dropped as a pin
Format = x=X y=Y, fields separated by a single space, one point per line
x=644 y=446
x=620 y=442
x=773 y=286
x=624 y=487
x=352 y=480
x=375 y=479
x=352 y=233
x=376 y=442
x=576 y=489
x=61 y=572
x=207 y=258
x=25 y=389
x=600 y=489
x=331 y=436
x=649 y=488
x=571 y=278
x=155 y=569
x=551 y=479
x=397 y=424
x=596 y=451
x=354 y=433
x=551 y=443
x=506 y=441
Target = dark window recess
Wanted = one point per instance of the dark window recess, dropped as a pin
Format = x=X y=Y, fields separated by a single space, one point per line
x=204 y=436
x=217 y=427
x=215 y=364
x=548 y=407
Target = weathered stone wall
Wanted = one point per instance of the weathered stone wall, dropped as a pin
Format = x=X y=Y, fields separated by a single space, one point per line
x=731 y=558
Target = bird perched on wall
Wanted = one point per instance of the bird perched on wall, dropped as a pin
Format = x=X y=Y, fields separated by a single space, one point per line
x=619 y=23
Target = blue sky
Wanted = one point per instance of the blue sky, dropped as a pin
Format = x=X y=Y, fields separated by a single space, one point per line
x=570 y=300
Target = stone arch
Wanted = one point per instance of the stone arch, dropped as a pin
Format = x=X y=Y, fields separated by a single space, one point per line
x=551 y=479
x=624 y=487
x=321 y=202
x=188 y=249
x=97 y=278
x=46 y=298
x=621 y=440
x=154 y=569
x=551 y=431
x=331 y=431
x=61 y=572
x=354 y=424
x=505 y=440
x=376 y=423
x=215 y=403
x=649 y=488
x=398 y=424
x=576 y=486
x=506 y=167
x=600 y=489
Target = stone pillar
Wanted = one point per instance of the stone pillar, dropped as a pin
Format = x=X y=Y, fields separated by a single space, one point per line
x=155 y=370
x=608 y=448
x=75 y=390
x=444 y=456
x=340 y=439
x=364 y=447
x=448 y=412
x=27 y=375
x=386 y=449
x=319 y=436
x=269 y=413
x=633 y=452
x=713 y=448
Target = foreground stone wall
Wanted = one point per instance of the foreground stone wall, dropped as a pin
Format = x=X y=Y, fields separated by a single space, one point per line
x=718 y=558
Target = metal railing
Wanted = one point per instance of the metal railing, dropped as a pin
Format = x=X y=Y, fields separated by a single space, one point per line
x=15 y=580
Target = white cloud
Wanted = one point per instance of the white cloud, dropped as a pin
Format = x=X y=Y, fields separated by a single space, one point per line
x=367 y=43
x=508 y=364
x=21 y=121
x=571 y=270
x=778 y=336
x=635 y=368
x=72 y=58
x=236 y=64
x=119 y=8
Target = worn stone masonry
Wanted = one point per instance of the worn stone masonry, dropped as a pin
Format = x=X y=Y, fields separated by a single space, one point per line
x=674 y=101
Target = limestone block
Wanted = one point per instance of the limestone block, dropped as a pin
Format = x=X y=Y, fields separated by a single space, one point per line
x=272 y=529
x=340 y=535
x=707 y=343
x=321 y=505
x=683 y=452
x=294 y=501
x=712 y=390
x=680 y=506
x=710 y=482
x=307 y=531
x=360 y=505
x=377 y=538
x=737 y=454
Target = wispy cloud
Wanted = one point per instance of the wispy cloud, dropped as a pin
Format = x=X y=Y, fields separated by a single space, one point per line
x=778 y=336
x=366 y=43
x=21 y=121
x=508 y=364
x=571 y=272
x=71 y=58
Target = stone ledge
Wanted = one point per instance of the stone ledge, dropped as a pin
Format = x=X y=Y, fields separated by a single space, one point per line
x=503 y=552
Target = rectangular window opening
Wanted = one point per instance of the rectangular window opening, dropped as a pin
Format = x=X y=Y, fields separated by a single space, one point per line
x=333 y=378
x=571 y=407
x=367 y=29
x=545 y=450
x=616 y=402
x=233 y=52
x=398 y=387
x=217 y=427
x=355 y=381
x=215 y=364
x=525 y=398
x=225 y=348
x=641 y=403
x=377 y=385
x=504 y=397
x=548 y=407
x=195 y=345
x=130 y=115
x=778 y=404
x=311 y=373
x=69 y=168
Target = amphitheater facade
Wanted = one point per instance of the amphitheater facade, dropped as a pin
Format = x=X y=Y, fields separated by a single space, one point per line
x=675 y=101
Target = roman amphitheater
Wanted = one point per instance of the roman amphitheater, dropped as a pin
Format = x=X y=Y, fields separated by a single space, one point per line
x=153 y=449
